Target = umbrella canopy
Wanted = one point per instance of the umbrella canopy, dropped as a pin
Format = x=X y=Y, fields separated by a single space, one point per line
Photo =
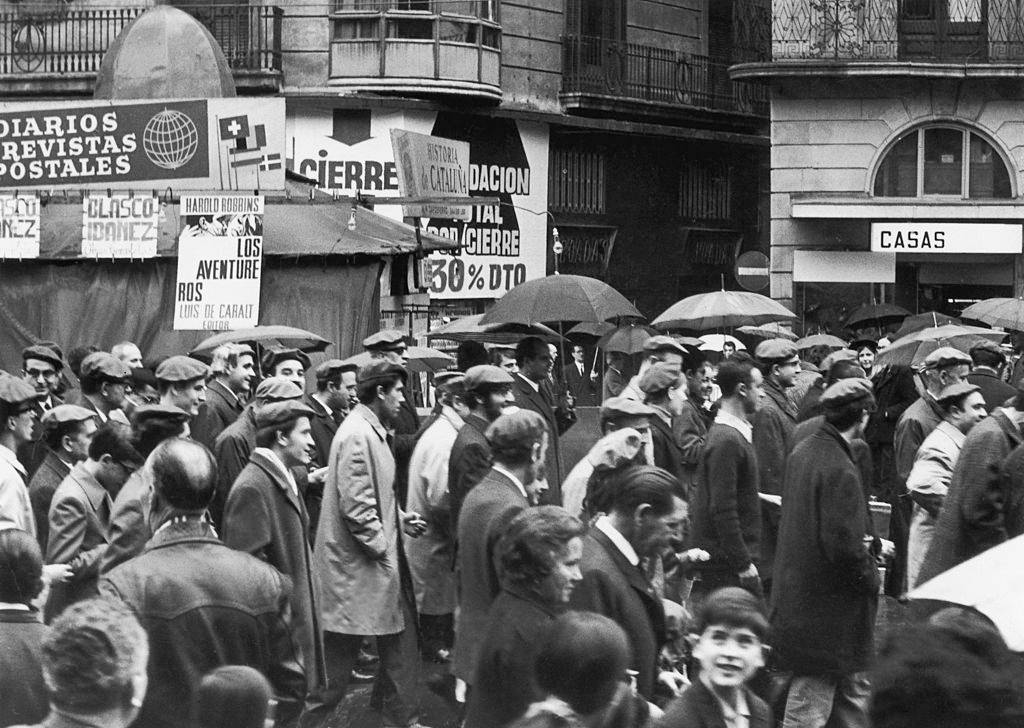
x=1005 y=312
x=626 y=339
x=468 y=328
x=591 y=328
x=809 y=342
x=876 y=314
x=768 y=331
x=714 y=342
x=992 y=583
x=418 y=359
x=722 y=309
x=928 y=319
x=560 y=299
x=287 y=337
x=911 y=350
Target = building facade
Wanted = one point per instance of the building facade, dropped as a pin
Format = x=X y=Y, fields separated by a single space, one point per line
x=897 y=152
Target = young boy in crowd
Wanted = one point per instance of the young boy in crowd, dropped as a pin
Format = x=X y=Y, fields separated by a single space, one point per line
x=729 y=629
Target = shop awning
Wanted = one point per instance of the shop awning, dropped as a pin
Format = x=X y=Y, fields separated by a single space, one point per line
x=872 y=208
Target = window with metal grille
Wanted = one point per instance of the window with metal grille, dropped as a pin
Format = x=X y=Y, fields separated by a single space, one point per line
x=705 y=190
x=577 y=181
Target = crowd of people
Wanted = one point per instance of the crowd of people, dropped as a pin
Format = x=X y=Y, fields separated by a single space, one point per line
x=211 y=545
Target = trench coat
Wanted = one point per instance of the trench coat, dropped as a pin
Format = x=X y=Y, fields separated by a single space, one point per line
x=265 y=518
x=826 y=582
x=430 y=555
x=469 y=462
x=542 y=401
x=667 y=452
x=221 y=408
x=358 y=539
x=48 y=476
x=690 y=427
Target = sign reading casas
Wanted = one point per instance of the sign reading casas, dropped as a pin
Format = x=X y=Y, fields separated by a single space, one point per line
x=945 y=237
x=121 y=144
x=220 y=262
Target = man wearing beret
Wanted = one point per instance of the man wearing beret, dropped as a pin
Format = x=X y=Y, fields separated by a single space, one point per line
x=488 y=391
x=364 y=582
x=234 y=371
x=985 y=502
x=265 y=516
x=67 y=430
x=41 y=367
x=825 y=591
x=657 y=384
x=987 y=364
x=105 y=386
x=941 y=368
x=928 y=483
x=773 y=436
x=17 y=417
x=181 y=381
x=288 y=363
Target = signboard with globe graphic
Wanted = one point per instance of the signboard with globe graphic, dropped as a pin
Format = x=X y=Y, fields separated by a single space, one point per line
x=183 y=144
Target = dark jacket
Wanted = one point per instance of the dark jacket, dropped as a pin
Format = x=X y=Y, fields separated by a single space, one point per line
x=264 y=518
x=667 y=452
x=993 y=390
x=485 y=513
x=614 y=382
x=232 y=450
x=32 y=452
x=406 y=427
x=984 y=506
x=23 y=696
x=773 y=423
x=542 y=401
x=620 y=591
x=50 y=473
x=726 y=507
x=204 y=605
x=915 y=424
x=221 y=408
x=894 y=392
x=583 y=389
x=690 y=428
x=469 y=462
x=859 y=448
x=129 y=523
x=810 y=405
x=698 y=707
x=322 y=426
x=504 y=684
x=826 y=581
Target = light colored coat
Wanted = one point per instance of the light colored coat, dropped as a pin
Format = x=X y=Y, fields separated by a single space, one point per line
x=357 y=541
x=932 y=471
x=431 y=555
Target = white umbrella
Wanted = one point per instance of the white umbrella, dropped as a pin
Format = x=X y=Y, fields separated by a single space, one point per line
x=714 y=342
x=992 y=582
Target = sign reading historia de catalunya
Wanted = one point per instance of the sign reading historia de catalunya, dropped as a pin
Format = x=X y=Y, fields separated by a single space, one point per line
x=220 y=254
x=430 y=166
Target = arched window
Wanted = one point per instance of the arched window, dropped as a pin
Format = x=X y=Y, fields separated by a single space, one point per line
x=945 y=161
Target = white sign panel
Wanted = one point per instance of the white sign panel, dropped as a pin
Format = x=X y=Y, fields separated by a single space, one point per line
x=430 y=166
x=120 y=225
x=945 y=237
x=19 y=226
x=220 y=262
x=838 y=266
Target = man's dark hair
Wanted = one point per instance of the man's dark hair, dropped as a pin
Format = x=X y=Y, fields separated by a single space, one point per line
x=530 y=348
x=366 y=392
x=470 y=354
x=116 y=440
x=512 y=436
x=987 y=358
x=732 y=373
x=947 y=404
x=732 y=607
x=641 y=484
x=184 y=474
x=93 y=384
x=693 y=361
x=843 y=369
x=267 y=436
x=77 y=355
x=477 y=397
x=21 y=567
x=151 y=431
x=54 y=432
x=531 y=542
x=847 y=415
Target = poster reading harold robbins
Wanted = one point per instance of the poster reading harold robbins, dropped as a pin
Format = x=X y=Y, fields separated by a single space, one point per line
x=220 y=262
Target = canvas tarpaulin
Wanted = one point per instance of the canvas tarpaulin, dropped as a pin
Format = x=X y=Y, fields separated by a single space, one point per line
x=87 y=302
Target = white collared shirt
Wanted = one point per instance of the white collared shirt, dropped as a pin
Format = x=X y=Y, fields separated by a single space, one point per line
x=536 y=387
x=604 y=525
x=272 y=457
x=741 y=426
x=15 y=506
x=513 y=478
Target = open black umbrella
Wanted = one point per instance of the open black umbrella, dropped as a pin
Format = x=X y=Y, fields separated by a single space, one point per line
x=468 y=328
x=287 y=337
x=922 y=321
x=560 y=299
x=876 y=314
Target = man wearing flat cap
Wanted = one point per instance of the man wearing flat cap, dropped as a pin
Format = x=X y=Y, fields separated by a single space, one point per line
x=657 y=384
x=488 y=392
x=265 y=516
x=66 y=432
x=825 y=591
x=181 y=381
x=41 y=366
x=364 y=584
x=234 y=373
x=658 y=348
x=928 y=483
x=104 y=382
x=288 y=363
x=987 y=364
x=984 y=505
x=17 y=418
x=940 y=369
x=389 y=345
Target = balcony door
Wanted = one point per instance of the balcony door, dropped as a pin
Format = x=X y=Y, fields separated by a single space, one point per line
x=594 y=53
x=954 y=30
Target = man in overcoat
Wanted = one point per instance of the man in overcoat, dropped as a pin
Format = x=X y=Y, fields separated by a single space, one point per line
x=826 y=578
x=657 y=384
x=266 y=517
x=364 y=581
x=66 y=431
x=987 y=364
x=233 y=367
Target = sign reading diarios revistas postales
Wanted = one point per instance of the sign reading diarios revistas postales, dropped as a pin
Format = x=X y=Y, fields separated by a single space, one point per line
x=184 y=144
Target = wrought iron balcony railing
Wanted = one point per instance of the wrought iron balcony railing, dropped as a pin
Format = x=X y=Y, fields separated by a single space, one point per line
x=964 y=31
x=630 y=71
x=72 y=42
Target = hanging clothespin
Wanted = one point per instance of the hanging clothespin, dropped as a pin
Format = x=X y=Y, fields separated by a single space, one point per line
x=108 y=192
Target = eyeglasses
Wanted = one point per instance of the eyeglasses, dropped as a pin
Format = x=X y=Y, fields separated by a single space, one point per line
x=44 y=373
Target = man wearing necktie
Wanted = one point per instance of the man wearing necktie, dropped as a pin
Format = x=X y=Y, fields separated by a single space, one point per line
x=581 y=383
x=41 y=367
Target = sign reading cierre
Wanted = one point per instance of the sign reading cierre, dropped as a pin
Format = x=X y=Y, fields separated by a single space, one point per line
x=945 y=237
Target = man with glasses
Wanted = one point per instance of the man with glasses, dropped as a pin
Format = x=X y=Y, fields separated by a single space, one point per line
x=79 y=518
x=40 y=367
x=17 y=419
